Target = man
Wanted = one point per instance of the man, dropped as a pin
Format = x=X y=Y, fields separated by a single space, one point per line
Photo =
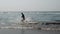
x=23 y=17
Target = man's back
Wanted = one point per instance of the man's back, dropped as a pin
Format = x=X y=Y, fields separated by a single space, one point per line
x=23 y=16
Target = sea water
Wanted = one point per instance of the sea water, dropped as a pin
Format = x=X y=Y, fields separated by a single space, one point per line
x=12 y=17
x=15 y=16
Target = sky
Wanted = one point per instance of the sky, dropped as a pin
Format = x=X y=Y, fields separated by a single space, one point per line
x=30 y=5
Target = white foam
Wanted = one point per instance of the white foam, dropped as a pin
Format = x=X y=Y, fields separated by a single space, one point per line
x=28 y=19
x=8 y=27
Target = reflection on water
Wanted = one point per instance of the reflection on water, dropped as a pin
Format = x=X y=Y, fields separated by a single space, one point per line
x=18 y=31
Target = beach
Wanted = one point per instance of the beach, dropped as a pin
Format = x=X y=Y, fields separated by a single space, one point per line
x=18 y=31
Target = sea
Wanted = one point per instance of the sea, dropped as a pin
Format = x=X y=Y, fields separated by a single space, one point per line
x=10 y=18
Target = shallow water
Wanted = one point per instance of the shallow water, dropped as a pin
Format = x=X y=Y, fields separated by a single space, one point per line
x=19 y=31
x=11 y=18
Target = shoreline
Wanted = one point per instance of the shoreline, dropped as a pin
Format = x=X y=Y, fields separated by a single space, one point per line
x=10 y=27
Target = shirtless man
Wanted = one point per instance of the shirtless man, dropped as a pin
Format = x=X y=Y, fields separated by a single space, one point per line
x=23 y=17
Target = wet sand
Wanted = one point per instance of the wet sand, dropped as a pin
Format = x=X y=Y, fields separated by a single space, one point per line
x=19 y=31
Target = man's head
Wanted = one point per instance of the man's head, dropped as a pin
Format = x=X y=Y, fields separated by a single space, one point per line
x=22 y=13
